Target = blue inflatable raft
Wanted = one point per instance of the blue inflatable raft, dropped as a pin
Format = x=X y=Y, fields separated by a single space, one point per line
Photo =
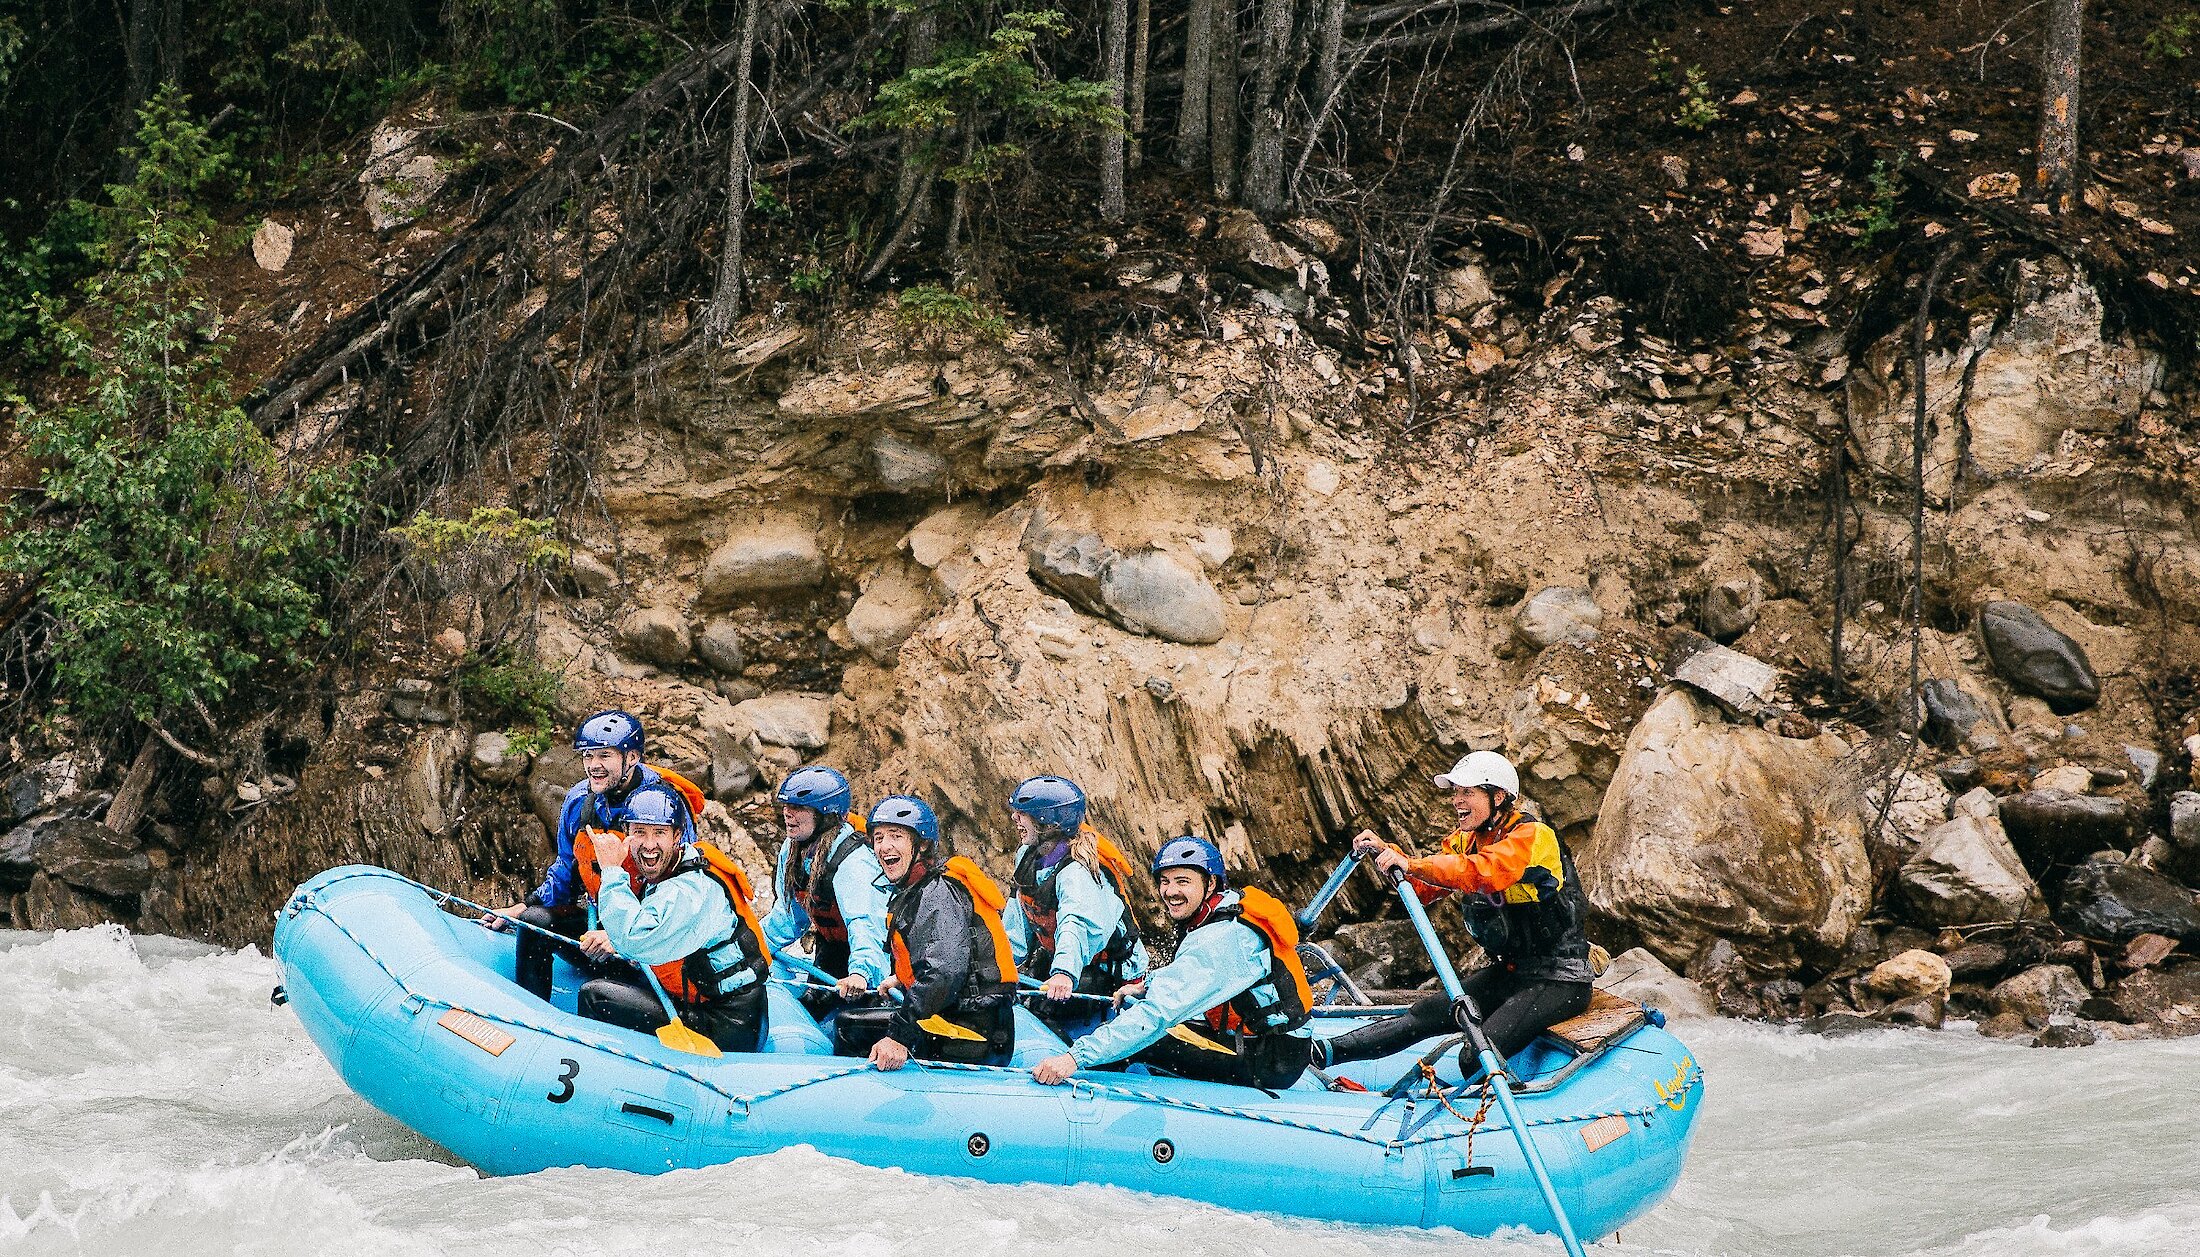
x=415 y=1008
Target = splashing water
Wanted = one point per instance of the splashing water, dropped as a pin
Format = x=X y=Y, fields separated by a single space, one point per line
x=153 y=1102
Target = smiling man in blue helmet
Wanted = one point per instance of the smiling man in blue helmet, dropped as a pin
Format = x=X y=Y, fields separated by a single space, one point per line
x=611 y=747
x=1232 y=1006
x=1071 y=917
x=828 y=883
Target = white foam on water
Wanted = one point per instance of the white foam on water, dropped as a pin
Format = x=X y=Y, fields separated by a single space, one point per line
x=153 y=1104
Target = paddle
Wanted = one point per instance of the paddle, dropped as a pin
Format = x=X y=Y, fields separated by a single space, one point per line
x=935 y=1024
x=1319 y=904
x=673 y=1034
x=1471 y=1019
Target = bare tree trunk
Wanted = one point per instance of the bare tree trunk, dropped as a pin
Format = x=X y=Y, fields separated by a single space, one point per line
x=913 y=191
x=1141 y=37
x=140 y=69
x=1263 y=193
x=1191 y=120
x=1111 y=143
x=128 y=808
x=1222 y=97
x=2058 y=170
x=959 y=212
x=1328 y=48
x=725 y=302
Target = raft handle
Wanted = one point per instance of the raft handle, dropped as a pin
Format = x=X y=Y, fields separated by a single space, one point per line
x=643 y=1110
x=278 y=997
x=1473 y=1171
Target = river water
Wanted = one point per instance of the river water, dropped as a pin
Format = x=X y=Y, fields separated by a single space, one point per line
x=153 y=1104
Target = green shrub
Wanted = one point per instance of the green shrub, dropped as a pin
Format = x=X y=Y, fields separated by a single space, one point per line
x=2172 y=37
x=1698 y=109
x=934 y=312
x=517 y=690
x=173 y=549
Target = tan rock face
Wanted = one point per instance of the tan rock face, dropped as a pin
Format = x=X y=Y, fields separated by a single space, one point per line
x=1711 y=830
x=766 y=559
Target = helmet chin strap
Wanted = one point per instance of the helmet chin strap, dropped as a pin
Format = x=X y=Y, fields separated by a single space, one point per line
x=1498 y=811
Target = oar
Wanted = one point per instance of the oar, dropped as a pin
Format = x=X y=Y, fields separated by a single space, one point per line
x=1183 y=1033
x=1034 y=986
x=934 y=1024
x=1492 y=1066
x=675 y=1034
x=1319 y=904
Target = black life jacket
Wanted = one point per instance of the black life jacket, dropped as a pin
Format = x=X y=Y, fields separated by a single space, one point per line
x=820 y=902
x=1543 y=936
x=1245 y=1013
x=1040 y=898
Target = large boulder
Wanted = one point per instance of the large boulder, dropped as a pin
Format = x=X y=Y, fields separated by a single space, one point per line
x=1954 y=716
x=1560 y=613
x=548 y=778
x=1713 y=830
x=892 y=606
x=719 y=645
x=1909 y=975
x=80 y=852
x=1070 y=562
x=1921 y=801
x=2037 y=658
x=492 y=759
x=765 y=559
x=39 y=787
x=1150 y=592
x=1381 y=955
x=400 y=176
x=1637 y=975
x=1729 y=607
x=2040 y=994
x=801 y=722
x=2119 y=901
x=2052 y=827
x=906 y=467
x=1964 y=872
x=657 y=635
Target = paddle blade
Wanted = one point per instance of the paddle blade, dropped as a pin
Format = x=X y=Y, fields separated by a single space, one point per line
x=1198 y=1040
x=682 y=1039
x=941 y=1026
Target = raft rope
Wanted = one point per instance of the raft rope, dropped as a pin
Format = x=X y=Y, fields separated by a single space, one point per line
x=306 y=901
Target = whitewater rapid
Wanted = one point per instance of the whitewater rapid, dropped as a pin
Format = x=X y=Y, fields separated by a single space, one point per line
x=153 y=1104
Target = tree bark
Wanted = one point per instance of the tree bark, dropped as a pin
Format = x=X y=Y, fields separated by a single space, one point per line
x=1263 y=192
x=1191 y=119
x=1222 y=97
x=1328 y=48
x=1113 y=43
x=128 y=808
x=2057 y=177
x=1135 y=121
x=725 y=301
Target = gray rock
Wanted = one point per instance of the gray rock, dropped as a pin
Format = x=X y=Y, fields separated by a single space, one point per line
x=1965 y=872
x=2066 y=1037
x=893 y=606
x=1381 y=954
x=2040 y=994
x=1640 y=976
x=904 y=467
x=657 y=635
x=2184 y=821
x=1961 y=774
x=2050 y=827
x=1559 y=613
x=591 y=575
x=1951 y=713
x=766 y=559
x=738 y=689
x=493 y=760
x=1068 y=562
x=83 y=853
x=400 y=176
x=2037 y=658
x=2119 y=901
x=548 y=778
x=51 y=904
x=1149 y=592
x=1741 y=683
x=1976 y=960
x=2147 y=763
x=41 y=787
x=416 y=701
x=1730 y=607
x=1841 y=1025
x=719 y=645
x=801 y=721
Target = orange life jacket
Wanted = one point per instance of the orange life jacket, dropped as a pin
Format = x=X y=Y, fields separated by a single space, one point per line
x=986 y=902
x=1274 y=923
x=1041 y=901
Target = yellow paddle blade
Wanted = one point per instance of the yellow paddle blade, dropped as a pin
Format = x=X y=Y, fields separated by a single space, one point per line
x=1198 y=1040
x=681 y=1039
x=941 y=1026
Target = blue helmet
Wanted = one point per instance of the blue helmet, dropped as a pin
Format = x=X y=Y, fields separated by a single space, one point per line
x=1052 y=801
x=656 y=804
x=822 y=790
x=910 y=812
x=1190 y=851
x=609 y=731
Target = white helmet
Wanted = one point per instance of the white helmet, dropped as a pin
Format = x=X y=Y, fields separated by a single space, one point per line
x=1482 y=768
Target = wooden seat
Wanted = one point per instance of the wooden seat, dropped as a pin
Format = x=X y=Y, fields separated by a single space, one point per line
x=1608 y=1020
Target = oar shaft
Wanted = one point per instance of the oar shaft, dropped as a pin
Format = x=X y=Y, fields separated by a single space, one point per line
x=1035 y=986
x=1492 y=1065
x=664 y=999
x=1320 y=902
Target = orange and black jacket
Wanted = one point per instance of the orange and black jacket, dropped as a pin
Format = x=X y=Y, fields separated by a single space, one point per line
x=1519 y=892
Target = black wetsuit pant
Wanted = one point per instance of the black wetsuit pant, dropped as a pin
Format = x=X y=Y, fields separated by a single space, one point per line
x=734 y=1023
x=1270 y=1061
x=858 y=1029
x=535 y=952
x=1514 y=1011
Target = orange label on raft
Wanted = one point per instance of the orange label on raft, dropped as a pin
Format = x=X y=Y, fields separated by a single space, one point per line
x=1603 y=1131
x=475 y=1031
